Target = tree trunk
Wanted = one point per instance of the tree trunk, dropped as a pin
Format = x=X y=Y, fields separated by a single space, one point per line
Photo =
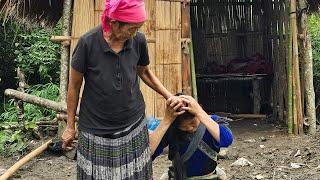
x=65 y=54
x=65 y=50
x=289 y=77
x=310 y=94
x=306 y=55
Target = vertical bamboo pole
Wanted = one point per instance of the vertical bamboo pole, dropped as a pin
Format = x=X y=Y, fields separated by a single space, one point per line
x=306 y=55
x=289 y=73
x=193 y=72
x=185 y=34
x=296 y=73
x=65 y=54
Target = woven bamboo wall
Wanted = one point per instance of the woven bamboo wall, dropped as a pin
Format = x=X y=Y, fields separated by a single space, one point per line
x=163 y=33
x=227 y=29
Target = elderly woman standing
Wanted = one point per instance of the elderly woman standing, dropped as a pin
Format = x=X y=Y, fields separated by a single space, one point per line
x=113 y=137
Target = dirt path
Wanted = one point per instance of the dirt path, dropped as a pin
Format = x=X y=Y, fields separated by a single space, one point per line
x=268 y=147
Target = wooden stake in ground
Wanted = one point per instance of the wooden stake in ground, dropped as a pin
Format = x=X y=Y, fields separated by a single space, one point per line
x=289 y=71
x=24 y=160
x=193 y=72
x=185 y=35
x=297 y=110
x=22 y=84
x=306 y=55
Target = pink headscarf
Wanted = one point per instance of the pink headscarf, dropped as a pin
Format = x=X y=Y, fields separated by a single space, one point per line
x=129 y=11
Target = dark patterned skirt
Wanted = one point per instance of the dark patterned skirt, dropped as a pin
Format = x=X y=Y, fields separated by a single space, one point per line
x=127 y=157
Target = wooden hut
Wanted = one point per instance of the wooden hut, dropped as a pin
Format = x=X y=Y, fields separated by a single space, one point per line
x=239 y=56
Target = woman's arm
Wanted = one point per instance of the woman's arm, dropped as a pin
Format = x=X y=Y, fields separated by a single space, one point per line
x=75 y=83
x=152 y=81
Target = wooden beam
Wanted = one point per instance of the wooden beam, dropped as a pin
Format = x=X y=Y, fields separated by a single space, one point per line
x=64 y=117
x=297 y=107
x=60 y=38
x=56 y=106
x=185 y=40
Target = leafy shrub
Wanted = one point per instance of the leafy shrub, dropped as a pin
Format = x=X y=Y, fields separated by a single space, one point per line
x=37 y=56
x=15 y=140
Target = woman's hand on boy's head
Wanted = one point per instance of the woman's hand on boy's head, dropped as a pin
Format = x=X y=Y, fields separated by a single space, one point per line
x=192 y=105
x=174 y=101
x=172 y=109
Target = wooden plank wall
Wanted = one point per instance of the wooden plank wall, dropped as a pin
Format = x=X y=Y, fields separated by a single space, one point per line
x=276 y=20
x=168 y=49
x=163 y=33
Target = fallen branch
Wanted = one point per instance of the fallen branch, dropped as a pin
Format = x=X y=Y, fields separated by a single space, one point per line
x=56 y=106
x=24 y=160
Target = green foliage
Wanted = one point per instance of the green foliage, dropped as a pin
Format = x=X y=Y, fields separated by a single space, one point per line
x=39 y=59
x=37 y=56
x=32 y=51
x=15 y=141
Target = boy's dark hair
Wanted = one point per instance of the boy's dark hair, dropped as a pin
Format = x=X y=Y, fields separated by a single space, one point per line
x=176 y=139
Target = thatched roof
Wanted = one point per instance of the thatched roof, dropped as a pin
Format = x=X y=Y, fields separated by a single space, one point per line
x=48 y=12
x=43 y=12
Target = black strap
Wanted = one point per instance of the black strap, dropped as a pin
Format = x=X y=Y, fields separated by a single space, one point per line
x=194 y=143
x=207 y=150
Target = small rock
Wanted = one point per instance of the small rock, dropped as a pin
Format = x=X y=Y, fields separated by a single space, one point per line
x=307 y=152
x=296 y=165
x=223 y=154
x=250 y=141
x=49 y=162
x=272 y=136
x=297 y=153
x=263 y=139
x=2 y=170
x=262 y=146
x=242 y=162
x=259 y=176
x=255 y=173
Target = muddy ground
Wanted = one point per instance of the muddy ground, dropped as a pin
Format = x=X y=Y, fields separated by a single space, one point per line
x=264 y=144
